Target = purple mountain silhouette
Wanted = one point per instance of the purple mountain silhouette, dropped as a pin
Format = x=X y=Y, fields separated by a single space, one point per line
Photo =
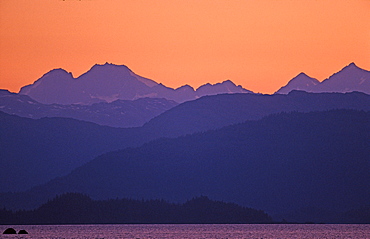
x=300 y=82
x=225 y=87
x=350 y=78
x=109 y=82
x=119 y=113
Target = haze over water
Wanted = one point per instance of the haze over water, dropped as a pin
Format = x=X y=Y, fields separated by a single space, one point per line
x=196 y=231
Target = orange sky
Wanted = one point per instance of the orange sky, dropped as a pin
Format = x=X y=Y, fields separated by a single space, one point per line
x=260 y=44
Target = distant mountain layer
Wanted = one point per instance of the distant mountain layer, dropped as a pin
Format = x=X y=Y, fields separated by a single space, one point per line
x=279 y=164
x=119 y=113
x=33 y=152
x=212 y=112
x=109 y=82
x=301 y=82
x=350 y=78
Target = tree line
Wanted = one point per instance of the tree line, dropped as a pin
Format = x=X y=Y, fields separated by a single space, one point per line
x=76 y=208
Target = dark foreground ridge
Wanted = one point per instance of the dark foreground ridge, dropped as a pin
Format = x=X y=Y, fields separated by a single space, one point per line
x=75 y=208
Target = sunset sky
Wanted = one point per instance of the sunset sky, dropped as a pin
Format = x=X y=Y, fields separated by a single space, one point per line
x=260 y=44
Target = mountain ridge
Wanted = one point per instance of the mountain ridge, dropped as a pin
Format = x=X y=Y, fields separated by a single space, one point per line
x=119 y=113
x=46 y=143
x=279 y=164
x=33 y=151
x=110 y=82
x=211 y=112
x=348 y=79
x=300 y=82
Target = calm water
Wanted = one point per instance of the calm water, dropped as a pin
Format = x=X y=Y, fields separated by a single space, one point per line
x=192 y=231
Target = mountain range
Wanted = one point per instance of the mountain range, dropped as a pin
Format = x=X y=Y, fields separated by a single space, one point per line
x=350 y=78
x=109 y=82
x=52 y=147
x=113 y=95
x=281 y=163
x=301 y=154
x=34 y=151
x=212 y=112
x=119 y=113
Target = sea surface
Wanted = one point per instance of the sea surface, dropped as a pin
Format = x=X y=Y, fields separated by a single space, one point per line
x=193 y=231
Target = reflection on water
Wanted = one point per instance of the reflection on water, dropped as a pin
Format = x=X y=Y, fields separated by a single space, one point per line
x=193 y=231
